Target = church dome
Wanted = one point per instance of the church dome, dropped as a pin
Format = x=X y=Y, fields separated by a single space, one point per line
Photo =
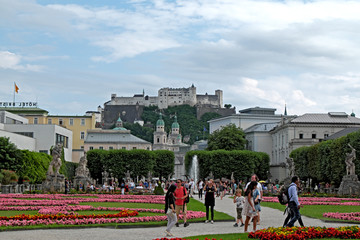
x=160 y=122
x=175 y=123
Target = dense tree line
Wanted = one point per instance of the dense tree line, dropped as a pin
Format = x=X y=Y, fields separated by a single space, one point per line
x=186 y=116
x=222 y=163
x=325 y=161
x=159 y=163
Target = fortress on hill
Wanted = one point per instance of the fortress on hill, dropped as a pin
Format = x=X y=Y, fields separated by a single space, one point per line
x=131 y=108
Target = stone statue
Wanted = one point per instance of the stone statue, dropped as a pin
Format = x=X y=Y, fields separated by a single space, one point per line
x=149 y=177
x=350 y=157
x=211 y=175
x=290 y=166
x=82 y=169
x=232 y=176
x=127 y=175
x=55 y=164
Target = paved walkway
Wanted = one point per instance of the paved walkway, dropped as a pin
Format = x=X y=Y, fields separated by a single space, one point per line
x=269 y=218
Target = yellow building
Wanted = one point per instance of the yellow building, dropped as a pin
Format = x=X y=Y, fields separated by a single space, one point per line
x=77 y=124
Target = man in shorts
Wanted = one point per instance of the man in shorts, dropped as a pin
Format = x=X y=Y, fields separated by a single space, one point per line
x=180 y=195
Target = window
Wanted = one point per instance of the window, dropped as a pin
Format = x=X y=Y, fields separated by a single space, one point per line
x=147 y=148
x=301 y=136
x=82 y=147
x=83 y=122
x=36 y=120
x=326 y=135
x=61 y=122
x=28 y=134
x=44 y=151
x=101 y=147
x=134 y=147
x=49 y=121
x=111 y=148
x=313 y=136
x=71 y=121
x=123 y=148
x=62 y=140
x=91 y=147
x=158 y=140
x=82 y=135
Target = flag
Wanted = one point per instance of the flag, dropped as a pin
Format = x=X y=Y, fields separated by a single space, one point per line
x=205 y=129
x=16 y=88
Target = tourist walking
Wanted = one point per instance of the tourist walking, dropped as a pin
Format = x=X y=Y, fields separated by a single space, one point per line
x=249 y=207
x=200 y=187
x=180 y=194
x=210 y=190
x=170 y=210
x=255 y=178
x=294 y=204
x=239 y=201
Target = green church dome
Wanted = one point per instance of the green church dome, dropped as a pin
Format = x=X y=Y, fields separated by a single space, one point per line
x=175 y=123
x=160 y=122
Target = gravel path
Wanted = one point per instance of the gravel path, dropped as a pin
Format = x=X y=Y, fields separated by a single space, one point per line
x=269 y=218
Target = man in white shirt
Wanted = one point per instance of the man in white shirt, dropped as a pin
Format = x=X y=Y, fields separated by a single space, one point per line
x=191 y=187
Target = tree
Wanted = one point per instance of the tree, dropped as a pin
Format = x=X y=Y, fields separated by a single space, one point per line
x=164 y=163
x=10 y=156
x=229 y=138
x=228 y=106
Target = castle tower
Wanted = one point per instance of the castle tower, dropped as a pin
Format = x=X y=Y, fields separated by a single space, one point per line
x=160 y=139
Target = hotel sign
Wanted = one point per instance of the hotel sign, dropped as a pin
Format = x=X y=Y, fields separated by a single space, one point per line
x=18 y=104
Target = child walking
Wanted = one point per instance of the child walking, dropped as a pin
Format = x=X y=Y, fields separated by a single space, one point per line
x=240 y=201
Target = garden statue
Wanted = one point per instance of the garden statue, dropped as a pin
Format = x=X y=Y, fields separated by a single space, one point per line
x=350 y=157
x=127 y=175
x=232 y=176
x=290 y=166
x=82 y=169
x=55 y=164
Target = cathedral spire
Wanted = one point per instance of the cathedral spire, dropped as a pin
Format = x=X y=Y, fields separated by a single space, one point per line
x=285 y=112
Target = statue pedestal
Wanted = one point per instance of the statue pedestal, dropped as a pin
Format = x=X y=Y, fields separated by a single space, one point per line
x=54 y=185
x=85 y=181
x=350 y=185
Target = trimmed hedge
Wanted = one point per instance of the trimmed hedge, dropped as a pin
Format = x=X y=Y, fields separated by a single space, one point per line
x=222 y=163
x=325 y=161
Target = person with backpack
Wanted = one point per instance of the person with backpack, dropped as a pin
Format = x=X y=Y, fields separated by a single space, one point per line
x=181 y=199
x=210 y=190
x=294 y=204
x=290 y=215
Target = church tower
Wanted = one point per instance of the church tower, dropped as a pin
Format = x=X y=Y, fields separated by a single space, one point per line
x=175 y=136
x=160 y=139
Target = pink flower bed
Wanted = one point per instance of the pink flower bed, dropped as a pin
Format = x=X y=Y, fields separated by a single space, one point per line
x=61 y=204
x=353 y=216
x=321 y=201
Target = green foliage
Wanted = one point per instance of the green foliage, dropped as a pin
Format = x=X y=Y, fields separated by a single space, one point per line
x=71 y=169
x=325 y=161
x=137 y=130
x=117 y=162
x=186 y=116
x=158 y=190
x=8 y=176
x=223 y=163
x=164 y=163
x=96 y=159
x=35 y=165
x=10 y=156
x=229 y=138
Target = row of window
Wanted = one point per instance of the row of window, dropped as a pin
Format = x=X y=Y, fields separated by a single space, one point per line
x=62 y=140
x=313 y=136
x=61 y=121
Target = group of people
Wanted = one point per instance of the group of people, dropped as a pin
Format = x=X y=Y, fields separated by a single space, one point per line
x=247 y=205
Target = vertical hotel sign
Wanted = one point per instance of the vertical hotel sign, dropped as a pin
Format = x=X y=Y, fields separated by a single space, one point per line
x=19 y=104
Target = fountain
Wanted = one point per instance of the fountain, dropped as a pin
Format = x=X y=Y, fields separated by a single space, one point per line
x=194 y=170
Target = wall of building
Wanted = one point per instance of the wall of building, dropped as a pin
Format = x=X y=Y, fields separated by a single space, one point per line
x=45 y=136
x=127 y=146
x=21 y=142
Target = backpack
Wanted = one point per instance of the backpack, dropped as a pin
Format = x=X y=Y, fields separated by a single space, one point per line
x=284 y=195
x=187 y=199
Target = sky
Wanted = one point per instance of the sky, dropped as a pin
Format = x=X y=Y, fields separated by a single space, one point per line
x=70 y=56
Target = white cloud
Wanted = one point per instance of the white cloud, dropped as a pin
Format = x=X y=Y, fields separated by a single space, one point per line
x=12 y=61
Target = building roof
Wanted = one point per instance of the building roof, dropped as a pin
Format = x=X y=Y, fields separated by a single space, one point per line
x=175 y=123
x=326 y=118
x=160 y=122
x=261 y=127
x=259 y=110
x=343 y=132
x=25 y=110
x=111 y=136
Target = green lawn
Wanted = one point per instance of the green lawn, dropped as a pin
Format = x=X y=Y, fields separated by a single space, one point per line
x=316 y=211
x=232 y=236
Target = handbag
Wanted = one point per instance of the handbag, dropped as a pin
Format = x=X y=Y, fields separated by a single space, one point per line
x=169 y=212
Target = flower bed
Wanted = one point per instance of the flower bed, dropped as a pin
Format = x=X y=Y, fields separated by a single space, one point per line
x=353 y=216
x=321 y=201
x=59 y=209
x=305 y=233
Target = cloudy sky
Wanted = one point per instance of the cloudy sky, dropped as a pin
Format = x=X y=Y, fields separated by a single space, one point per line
x=70 y=56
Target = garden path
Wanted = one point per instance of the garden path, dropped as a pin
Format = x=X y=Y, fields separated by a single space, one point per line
x=269 y=218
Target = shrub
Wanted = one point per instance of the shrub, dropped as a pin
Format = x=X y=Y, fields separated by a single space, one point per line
x=8 y=176
x=158 y=190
